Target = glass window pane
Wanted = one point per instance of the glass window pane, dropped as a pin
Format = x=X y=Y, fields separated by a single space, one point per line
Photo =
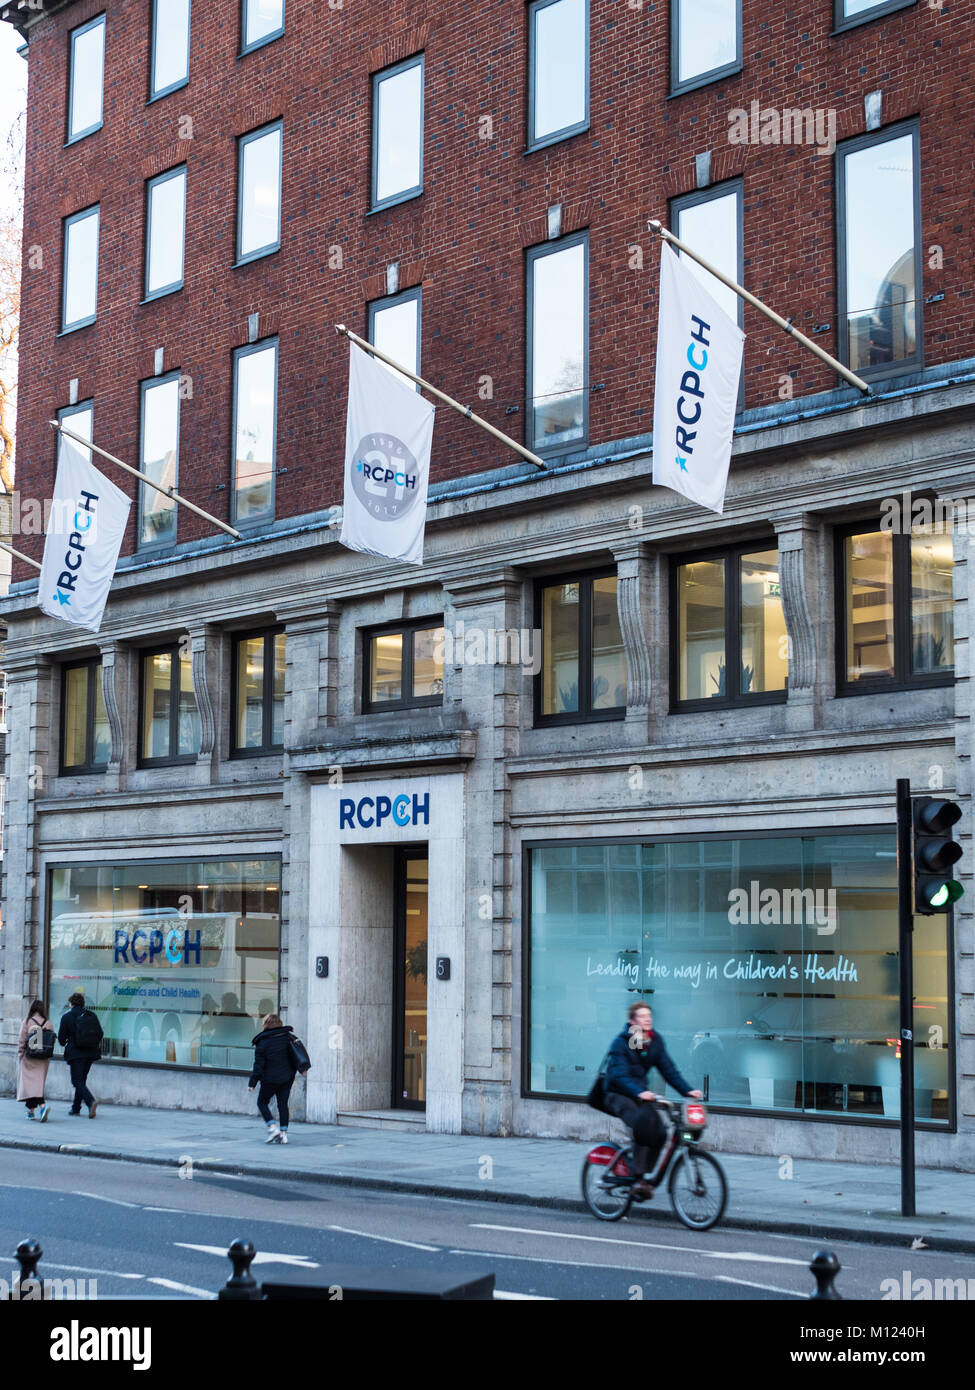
x=80 y=421
x=170 y=44
x=932 y=609
x=855 y=7
x=188 y=729
x=558 y=368
x=560 y=67
x=869 y=606
x=399 y=132
x=87 y=78
x=261 y=18
x=707 y=36
x=157 y=673
x=255 y=432
x=386 y=667
x=81 y=268
x=701 y=604
x=608 y=661
x=75 y=716
x=711 y=228
x=879 y=232
x=167 y=222
x=277 y=692
x=250 y=692
x=764 y=648
x=560 y=649
x=101 y=734
x=260 y=193
x=160 y=460
x=395 y=332
x=428 y=645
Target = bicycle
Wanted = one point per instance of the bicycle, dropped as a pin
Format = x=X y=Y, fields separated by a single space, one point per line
x=696 y=1183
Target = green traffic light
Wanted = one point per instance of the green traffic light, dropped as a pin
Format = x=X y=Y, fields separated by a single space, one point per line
x=944 y=894
x=940 y=897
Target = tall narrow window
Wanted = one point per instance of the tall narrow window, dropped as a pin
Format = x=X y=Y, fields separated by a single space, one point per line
x=87 y=80
x=255 y=430
x=583 y=667
x=259 y=193
x=394 y=328
x=170 y=718
x=261 y=21
x=259 y=664
x=165 y=232
x=79 y=419
x=397 y=133
x=558 y=337
x=879 y=260
x=711 y=223
x=79 y=295
x=86 y=740
x=159 y=459
x=403 y=666
x=851 y=12
x=558 y=82
x=705 y=41
x=170 y=46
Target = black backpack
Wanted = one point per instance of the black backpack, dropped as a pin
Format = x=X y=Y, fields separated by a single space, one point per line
x=40 y=1041
x=88 y=1032
x=298 y=1054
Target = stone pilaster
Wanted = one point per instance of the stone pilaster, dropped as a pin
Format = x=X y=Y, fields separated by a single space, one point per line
x=207 y=654
x=116 y=660
x=638 y=575
x=801 y=574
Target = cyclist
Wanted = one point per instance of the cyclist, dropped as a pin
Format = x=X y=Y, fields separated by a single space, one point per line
x=631 y=1055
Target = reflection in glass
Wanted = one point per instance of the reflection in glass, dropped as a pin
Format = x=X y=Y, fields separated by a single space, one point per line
x=560 y=63
x=869 y=606
x=707 y=36
x=711 y=228
x=277 y=691
x=167 y=219
x=428 y=645
x=260 y=193
x=701 y=615
x=170 y=44
x=255 y=432
x=188 y=728
x=608 y=661
x=764 y=648
x=395 y=331
x=81 y=268
x=76 y=716
x=157 y=694
x=80 y=422
x=250 y=693
x=558 y=366
x=879 y=235
x=261 y=19
x=160 y=455
x=399 y=132
x=415 y=970
x=932 y=608
x=87 y=78
x=560 y=649
x=386 y=667
x=101 y=734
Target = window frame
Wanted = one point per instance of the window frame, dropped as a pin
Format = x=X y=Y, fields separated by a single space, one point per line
x=566 y=132
x=267 y=747
x=734 y=699
x=65 y=413
x=391 y=301
x=585 y=714
x=246 y=47
x=903 y=677
x=370 y=706
x=166 y=177
x=144 y=386
x=727 y=188
x=89 y=767
x=73 y=138
x=242 y=142
x=95 y=209
x=383 y=75
x=883 y=8
x=532 y=255
x=263 y=345
x=702 y=79
x=155 y=95
x=905 y=365
x=180 y=759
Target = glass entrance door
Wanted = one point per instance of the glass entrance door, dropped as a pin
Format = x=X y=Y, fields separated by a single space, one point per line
x=410 y=981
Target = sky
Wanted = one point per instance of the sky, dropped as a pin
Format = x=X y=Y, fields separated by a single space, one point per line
x=13 y=82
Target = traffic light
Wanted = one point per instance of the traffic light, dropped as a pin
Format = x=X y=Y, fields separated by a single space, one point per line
x=934 y=854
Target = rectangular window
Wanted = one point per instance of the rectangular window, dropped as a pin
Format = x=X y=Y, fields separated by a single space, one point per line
x=170 y=719
x=558 y=82
x=258 y=699
x=397 y=133
x=403 y=666
x=79 y=293
x=558 y=343
x=255 y=430
x=712 y=223
x=848 y=13
x=394 y=328
x=897 y=621
x=705 y=42
x=86 y=740
x=87 y=79
x=729 y=643
x=79 y=419
x=879 y=253
x=259 y=193
x=179 y=959
x=159 y=459
x=583 y=673
x=170 y=46
x=165 y=232
x=261 y=21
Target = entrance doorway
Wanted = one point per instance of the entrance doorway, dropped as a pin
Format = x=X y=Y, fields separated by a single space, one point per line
x=410 y=970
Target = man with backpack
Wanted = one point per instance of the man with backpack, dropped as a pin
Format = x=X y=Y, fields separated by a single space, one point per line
x=80 y=1034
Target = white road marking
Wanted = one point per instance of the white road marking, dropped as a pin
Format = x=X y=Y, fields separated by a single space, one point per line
x=86 y=1269
x=645 y=1245
x=182 y=1288
x=389 y=1240
x=115 y=1201
x=757 y=1259
x=263 y=1257
x=535 y=1297
x=179 y=1211
x=543 y=1260
x=749 y=1284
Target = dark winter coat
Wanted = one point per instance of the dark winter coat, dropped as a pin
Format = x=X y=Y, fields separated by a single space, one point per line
x=272 y=1057
x=66 y=1037
x=627 y=1067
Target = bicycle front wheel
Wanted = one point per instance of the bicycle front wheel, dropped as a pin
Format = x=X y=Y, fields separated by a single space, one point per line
x=606 y=1198
x=698 y=1189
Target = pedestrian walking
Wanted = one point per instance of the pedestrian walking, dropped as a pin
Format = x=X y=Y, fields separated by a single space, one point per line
x=35 y=1048
x=278 y=1056
x=80 y=1034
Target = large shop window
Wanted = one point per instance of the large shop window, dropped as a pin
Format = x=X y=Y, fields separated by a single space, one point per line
x=403 y=667
x=86 y=739
x=896 y=622
x=179 y=960
x=770 y=963
x=558 y=83
x=259 y=662
x=397 y=133
x=583 y=673
x=558 y=343
x=170 y=718
x=87 y=79
x=729 y=644
x=705 y=42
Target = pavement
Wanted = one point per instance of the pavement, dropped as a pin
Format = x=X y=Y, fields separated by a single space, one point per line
x=826 y=1200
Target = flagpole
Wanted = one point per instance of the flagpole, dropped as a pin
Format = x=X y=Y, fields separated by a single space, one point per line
x=166 y=492
x=19 y=554
x=784 y=324
x=447 y=400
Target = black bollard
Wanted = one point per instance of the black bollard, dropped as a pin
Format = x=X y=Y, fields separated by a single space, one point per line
x=241 y=1284
x=27 y=1254
x=825 y=1267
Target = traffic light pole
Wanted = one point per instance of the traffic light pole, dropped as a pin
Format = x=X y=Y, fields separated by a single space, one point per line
x=905 y=956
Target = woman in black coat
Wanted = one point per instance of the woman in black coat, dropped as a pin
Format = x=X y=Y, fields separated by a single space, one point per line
x=274 y=1070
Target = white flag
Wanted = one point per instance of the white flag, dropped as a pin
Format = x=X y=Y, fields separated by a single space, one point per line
x=699 y=352
x=84 y=534
x=388 y=434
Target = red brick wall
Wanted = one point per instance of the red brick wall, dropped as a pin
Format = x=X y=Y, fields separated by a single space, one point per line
x=483 y=204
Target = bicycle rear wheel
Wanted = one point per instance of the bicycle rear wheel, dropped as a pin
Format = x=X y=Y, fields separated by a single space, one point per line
x=698 y=1189
x=607 y=1199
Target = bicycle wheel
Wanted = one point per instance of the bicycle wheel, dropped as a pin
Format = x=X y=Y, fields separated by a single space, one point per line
x=606 y=1198
x=698 y=1189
